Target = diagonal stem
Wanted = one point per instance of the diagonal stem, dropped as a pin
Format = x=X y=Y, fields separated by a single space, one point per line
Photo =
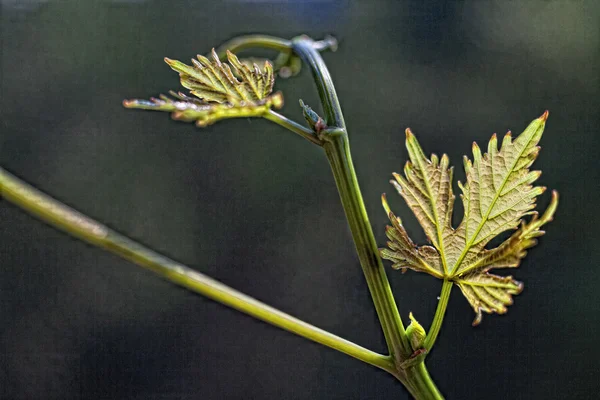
x=63 y=217
x=337 y=152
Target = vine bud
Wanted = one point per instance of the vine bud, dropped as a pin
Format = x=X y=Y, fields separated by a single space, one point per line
x=416 y=334
x=315 y=122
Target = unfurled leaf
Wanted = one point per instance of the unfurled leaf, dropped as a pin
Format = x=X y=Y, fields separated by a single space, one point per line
x=221 y=91
x=497 y=195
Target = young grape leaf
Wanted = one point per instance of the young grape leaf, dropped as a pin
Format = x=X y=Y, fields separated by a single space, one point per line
x=220 y=91
x=497 y=194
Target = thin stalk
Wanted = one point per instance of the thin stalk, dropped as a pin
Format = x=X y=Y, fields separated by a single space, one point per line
x=438 y=318
x=64 y=218
x=292 y=126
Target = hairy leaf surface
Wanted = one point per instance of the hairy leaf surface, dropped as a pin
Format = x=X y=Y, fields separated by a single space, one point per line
x=496 y=196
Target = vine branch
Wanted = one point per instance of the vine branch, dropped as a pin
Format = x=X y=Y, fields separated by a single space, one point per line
x=66 y=219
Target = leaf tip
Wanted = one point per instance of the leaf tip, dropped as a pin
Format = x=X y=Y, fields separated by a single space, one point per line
x=544 y=116
x=476 y=152
x=549 y=213
x=201 y=123
x=477 y=319
x=385 y=204
x=409 y=134
x=519 y=288
x=215 y=57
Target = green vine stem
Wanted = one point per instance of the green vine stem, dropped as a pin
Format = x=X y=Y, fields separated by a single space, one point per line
x=337 y=149
x=438 y=318
x=65 y=218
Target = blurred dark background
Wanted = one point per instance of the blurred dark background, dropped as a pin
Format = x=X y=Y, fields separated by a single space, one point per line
x=256 y=207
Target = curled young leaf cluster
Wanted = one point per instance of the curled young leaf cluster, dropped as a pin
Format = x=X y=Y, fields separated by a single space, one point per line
x=497 y=194
x=221 y=91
